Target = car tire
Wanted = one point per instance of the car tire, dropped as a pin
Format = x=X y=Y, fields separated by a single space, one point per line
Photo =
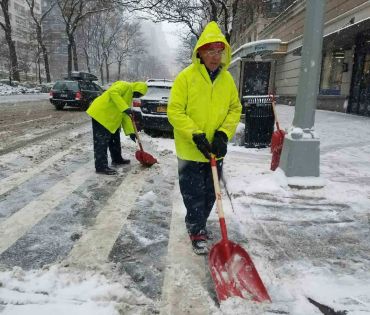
x=152 y=132
x=59 y=106
x=148 y=131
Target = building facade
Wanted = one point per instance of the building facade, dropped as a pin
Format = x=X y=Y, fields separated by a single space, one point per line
x=56 y=40
x=345 y=67
x=24 y=38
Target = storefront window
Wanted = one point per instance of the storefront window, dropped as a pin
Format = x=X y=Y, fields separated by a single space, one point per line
x=331 y=73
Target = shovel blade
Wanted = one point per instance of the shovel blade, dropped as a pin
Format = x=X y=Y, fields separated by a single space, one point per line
x=145 y=158
x=234 y=273
x=277 y=140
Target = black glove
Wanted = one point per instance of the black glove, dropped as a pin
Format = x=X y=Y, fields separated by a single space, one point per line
x=128 y=111
x=132 y=137
x=219 y=144
x=202 y=144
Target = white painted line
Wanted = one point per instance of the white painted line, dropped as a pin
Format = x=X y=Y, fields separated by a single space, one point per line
x=26 y=121
x=184 y=287
x=23 y=220
x=10 y=182
x=93 y=249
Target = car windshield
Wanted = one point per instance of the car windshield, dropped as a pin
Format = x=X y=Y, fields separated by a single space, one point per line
x=155 y=91
x=66 y=85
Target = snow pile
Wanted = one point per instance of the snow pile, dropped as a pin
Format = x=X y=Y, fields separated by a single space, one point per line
x=13 y=90
x=59 y=292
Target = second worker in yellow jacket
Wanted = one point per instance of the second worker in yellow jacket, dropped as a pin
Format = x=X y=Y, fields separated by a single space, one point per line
x=109 y=112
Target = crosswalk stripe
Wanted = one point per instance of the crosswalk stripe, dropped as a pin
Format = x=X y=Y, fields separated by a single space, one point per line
x=185 y=272
x=94 y=246
x=23 y=220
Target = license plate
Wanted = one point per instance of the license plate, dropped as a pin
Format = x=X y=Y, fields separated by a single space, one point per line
x=161 y=109
x=63 y=95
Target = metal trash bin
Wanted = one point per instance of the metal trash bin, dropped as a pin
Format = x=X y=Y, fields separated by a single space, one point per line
x=259 y=121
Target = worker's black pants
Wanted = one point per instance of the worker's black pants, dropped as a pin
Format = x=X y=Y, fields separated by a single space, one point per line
x=197 y=190
x=103 y=140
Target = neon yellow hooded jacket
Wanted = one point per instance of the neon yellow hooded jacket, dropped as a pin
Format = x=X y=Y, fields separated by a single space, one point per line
x=107 y=109
x=198 y=105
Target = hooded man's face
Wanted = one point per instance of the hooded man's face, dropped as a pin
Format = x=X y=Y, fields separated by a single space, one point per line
x=211 y=58
x=211 y=55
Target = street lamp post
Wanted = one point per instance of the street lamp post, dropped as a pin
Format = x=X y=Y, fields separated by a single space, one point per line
x=301 y=150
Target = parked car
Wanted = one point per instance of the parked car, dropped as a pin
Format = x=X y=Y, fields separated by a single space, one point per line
x=77 y=91
x=151 y=109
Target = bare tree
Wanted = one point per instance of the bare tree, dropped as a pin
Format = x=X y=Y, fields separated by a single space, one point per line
x=99 y=36
x=187 y=12
x=6 y=26
x=86 y=34
x=26 y=52
x=195 y=13
x=185 y=51
x=129 y=42
x=38 y=21
x=115 y=27
x=73 y=13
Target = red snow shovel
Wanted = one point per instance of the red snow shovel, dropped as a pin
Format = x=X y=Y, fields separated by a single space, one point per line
x=232 y=270
x=277 y=140
x=143 y=157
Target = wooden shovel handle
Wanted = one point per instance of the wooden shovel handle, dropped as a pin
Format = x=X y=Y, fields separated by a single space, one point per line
x=136 y=133
x=273 y=103
x=216 y=185
x=220 y=210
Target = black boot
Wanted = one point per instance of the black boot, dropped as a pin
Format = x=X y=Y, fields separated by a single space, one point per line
x=106 y=171
x=199 y=243
x=120 y=162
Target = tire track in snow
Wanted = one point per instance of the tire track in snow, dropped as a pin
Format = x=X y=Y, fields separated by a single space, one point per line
x=43 y=137
x=24 y=219
x=19 y=178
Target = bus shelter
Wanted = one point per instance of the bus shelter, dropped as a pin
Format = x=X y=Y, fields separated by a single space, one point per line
x=252 y=68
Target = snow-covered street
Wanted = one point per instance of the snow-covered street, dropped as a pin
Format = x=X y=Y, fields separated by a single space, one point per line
x=73 y=241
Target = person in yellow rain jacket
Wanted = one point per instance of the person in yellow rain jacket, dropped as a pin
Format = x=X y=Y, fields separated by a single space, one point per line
x=204 y=110
x=109 y=112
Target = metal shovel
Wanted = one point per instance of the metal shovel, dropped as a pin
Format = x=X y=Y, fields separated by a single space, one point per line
x=143 y=157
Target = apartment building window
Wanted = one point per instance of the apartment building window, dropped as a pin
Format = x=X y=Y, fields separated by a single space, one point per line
x=19 y=9
x=331 y=73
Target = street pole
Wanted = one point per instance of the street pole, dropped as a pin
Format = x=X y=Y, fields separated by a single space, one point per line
x=301 y=150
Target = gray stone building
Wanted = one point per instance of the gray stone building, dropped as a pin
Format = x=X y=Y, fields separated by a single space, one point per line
x=56 y=40
x=23 y=36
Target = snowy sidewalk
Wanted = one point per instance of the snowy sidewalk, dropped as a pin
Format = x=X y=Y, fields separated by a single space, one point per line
x=22 y=98
x=309 y=243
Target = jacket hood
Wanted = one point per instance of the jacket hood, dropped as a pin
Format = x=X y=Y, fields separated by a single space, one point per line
x=140 y=87
x=210 y=34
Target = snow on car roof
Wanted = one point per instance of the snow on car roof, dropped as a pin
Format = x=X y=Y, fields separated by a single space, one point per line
x=159 y=82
